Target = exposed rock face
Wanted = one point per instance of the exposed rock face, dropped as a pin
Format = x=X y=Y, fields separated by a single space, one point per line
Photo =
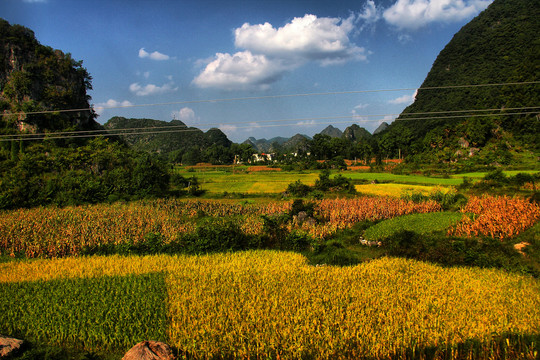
x=8 y=346
x=150 y=350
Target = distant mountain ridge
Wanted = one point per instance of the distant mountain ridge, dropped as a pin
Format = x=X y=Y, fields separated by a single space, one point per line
x=163 y=137
x=353 y=133
x=278 y=143
x=332 y=132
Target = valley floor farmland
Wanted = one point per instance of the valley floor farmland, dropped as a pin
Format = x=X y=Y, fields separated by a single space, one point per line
x=269 y=304
x=218 y=180
x=265 y=303
x=258 y=182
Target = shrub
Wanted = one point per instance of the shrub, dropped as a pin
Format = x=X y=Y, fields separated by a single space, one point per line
x=296 y=241
x=216 y=235
x=274 y=231
x=300 y=206
x=453 y=251
x=298 y=188
x=333 y=253
x=449 y=200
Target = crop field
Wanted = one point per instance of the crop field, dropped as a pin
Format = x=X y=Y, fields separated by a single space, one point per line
x=270 y=304
x=216 y=181
x=498 y=217
x=249 y=182
x=419 y=223
x=262 y=180
x=264 y=303
x=405 y=179
x=452 y=180
x=477 y=175
x=396 y=190
x=57 y=232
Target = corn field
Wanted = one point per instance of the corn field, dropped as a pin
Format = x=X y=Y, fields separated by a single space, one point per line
x=497 y=217
x=57 y=232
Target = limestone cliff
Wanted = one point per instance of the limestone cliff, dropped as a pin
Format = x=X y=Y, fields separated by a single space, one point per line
x=36 y=81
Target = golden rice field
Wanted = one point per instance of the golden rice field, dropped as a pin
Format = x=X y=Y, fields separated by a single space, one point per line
x=273 y=305
x=396 y=190
x=265 y=182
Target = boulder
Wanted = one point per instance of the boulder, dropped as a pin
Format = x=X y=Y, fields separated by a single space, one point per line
x=150 y=350
x=8 y=346
x=463 y=143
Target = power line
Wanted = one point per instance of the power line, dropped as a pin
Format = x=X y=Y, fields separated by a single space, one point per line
x=122 y=132
x=358 y=117
x=185 y=102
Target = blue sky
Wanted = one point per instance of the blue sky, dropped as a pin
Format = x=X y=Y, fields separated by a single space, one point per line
x=177 y=55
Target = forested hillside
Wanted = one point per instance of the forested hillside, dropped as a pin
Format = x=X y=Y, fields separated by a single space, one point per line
x=174 y=141
x=500 y=46
x=36 y=78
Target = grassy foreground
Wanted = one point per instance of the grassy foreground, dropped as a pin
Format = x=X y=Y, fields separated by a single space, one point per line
x=270 y=304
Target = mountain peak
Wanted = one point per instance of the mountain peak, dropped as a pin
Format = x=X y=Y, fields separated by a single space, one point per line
x=332 y=132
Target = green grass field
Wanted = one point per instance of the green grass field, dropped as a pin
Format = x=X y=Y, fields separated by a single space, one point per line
x=419 y=223
x=405 y=179
x=88 y=313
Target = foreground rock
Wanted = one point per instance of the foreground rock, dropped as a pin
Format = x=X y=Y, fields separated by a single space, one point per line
x=9 y=346
x=150 y=350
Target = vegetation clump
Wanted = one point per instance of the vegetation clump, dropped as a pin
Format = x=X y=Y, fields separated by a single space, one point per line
x=324 y=184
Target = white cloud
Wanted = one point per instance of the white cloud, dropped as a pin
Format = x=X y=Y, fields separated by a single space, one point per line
x=34 y=1
x=414 y=14
x=269 y=53
x=228 y=129
x=405 y=99
x=240 y=71
x=370 y=15
x=404 y=38
x=111 y=104
x=151 y=89
x=358 y=117
x=306 y=38
x=360 y=106
x=186 y=115
x=154 y=56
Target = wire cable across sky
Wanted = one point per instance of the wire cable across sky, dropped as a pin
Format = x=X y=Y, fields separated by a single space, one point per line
x=273 y=123
x=248 y=98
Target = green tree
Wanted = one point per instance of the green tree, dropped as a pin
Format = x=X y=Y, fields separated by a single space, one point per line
x=320 y=147
x=191 y=157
